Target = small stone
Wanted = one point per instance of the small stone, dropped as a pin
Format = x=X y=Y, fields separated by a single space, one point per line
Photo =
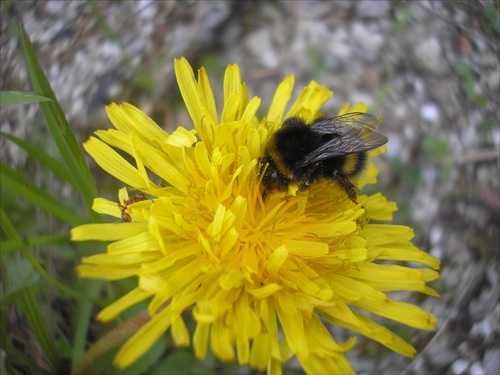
x=340 y=47
x=372 y=9
x=424 y=206
x=469 y=136
x=495 y=136
x=477 y=369
x=436 y=235
x=214 y=13
x=482 y=328
x=430 y=175
x=491 y=361
x=360 y=96
x=459 y=367
x=368 y=39
x=429 y=54
x=437 y=252
x=54 y=7
x=394 y=146
x=259 y=43
x=441 y=355
x=146 y=9
x=493 y=79
x=430 y=112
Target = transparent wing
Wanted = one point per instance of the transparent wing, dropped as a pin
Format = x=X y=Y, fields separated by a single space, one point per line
x=352 y=133
x=357 y=120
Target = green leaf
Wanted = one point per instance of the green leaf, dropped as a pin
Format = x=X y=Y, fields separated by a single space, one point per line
x=61 y=131
x=28 y=265
x=18 y=97
x=23 y=187
x=27 y=301
x=17 y=359
x=493 y=17
x=402 y=18
x=23 y=279
x=178 y=362
x=12 y=245
x=436 y=148
x=381 y=97
x=19 y=274
x=48 y=161
x=82 y=321
x=409 y=173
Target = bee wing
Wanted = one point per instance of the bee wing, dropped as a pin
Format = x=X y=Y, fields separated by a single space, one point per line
x=354 y=133
x=361 y=122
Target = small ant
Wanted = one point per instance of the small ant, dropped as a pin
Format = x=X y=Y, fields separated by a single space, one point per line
x=131 y=199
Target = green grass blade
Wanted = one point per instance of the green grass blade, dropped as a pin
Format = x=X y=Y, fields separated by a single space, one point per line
x=61 y=131
x=64 y=288
x=18 y=97
x=13 y=245
x=23 y=187
x=82 y=321
x=28 y=303
x=17 y=358
x=48 y=161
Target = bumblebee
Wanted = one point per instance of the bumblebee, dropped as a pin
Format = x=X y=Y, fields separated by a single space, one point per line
x=333 y=148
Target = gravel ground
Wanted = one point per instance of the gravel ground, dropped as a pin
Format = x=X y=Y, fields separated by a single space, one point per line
x=429 y=68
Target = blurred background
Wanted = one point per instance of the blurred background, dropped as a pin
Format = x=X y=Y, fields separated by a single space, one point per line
x=429 y=68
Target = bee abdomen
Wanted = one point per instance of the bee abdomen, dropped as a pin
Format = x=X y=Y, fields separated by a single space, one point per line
x=354 y=164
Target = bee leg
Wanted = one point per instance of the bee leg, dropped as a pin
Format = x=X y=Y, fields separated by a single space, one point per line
x=350 y=189
x=264 y=195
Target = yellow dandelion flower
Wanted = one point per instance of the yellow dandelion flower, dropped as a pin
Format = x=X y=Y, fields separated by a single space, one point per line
x=259 y=275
